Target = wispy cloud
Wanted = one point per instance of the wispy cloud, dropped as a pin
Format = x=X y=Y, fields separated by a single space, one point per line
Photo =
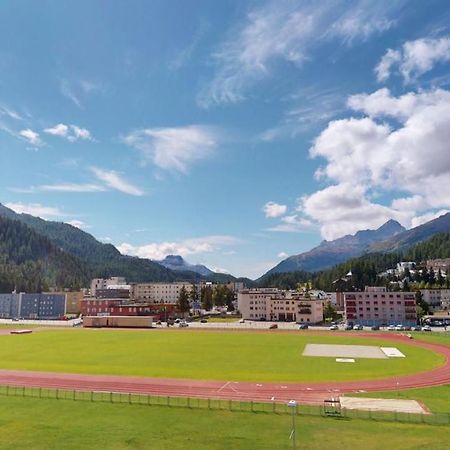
x=31 y=136
x=293 y=224
x=5 y=111
x=114 y=180
x=286 y=30
x=67 y=91
x=174 y=148
x=70 y=132
x=158 y=251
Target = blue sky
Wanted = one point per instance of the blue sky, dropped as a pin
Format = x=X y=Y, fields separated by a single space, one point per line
x=233 y=133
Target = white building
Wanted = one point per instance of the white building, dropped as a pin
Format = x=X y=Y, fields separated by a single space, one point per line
x=438 y=299
x=164 y=293
x=278 y=305
x=105 y=283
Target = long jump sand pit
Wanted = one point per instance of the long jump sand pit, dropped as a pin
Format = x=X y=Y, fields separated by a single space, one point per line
x=382 y=404
x=344 y=351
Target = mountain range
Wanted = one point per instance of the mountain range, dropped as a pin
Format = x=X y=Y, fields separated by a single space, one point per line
x=97 y=259
x=388 y=238
x=178 y=263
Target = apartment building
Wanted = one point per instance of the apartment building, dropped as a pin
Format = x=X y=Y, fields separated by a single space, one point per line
x=278 y=305
x=32 y=306
x=438 y=299
x=442 y=264
x=9 y=305
x=73 y=300
x=105 y=283
x=377 y=306
x=162 y=293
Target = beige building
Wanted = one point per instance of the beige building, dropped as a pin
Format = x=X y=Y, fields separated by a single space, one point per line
x=105 y=283
x=377 y=306
x=278 y=305
x=442 y=264
x=438 y=299
x=165 y=293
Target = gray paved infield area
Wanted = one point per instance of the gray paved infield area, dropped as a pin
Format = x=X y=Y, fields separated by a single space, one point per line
x=344 y=351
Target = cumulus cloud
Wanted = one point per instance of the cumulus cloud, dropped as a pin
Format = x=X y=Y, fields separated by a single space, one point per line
x=285 y=30
x=374 y=155
x=31 y=136
x=70 y=132
x=114 y=180
x=36 y=209
x=414 y=58
x=158 y=251
x=272 y=209
x=174 y=148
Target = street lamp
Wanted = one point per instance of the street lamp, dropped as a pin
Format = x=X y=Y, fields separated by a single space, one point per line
x=293 y=405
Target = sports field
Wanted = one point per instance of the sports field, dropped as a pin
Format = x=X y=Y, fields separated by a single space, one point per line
x=39 y=424
x=206 y=355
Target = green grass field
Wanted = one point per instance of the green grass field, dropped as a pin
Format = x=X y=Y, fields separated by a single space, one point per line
x=214 y=355
x=38 y=424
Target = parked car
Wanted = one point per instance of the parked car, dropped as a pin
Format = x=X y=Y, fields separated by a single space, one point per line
x=15 y=319
x=204 y=321
x=183 y=324
x=303 y=326
x=357 y=327
x=375 y=327
x=391 y=328
x=416 y=328
x=273 y=326
x=333 y=327
x=399 y=327
x=426 y=328
x=348 y=327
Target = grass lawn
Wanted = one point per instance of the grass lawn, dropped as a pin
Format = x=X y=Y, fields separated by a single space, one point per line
x=27 y=423
x=437 y=399
x=215 y=355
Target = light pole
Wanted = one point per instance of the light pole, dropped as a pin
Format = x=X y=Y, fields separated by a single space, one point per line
x=293 y=405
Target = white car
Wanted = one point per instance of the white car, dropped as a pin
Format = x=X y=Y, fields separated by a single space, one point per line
x=391 y=328
x=426 y=328
x=333 y=327
x=399 y=327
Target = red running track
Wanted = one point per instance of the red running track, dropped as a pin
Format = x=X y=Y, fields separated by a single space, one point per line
x=308 y=393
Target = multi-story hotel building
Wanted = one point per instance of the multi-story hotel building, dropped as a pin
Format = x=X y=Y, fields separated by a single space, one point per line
x=377 y=306
x=278 y=305
x=437 y=298
x=163 y=293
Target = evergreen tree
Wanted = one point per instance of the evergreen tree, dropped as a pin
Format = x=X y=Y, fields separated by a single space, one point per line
x=183 y=304
x=206 y=298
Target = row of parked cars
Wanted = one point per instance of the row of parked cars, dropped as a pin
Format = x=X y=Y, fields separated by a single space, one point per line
x=398 y=327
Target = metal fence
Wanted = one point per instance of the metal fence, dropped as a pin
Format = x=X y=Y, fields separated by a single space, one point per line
x=439 y=418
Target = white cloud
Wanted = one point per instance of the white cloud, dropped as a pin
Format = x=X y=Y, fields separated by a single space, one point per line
x=272 y=209
x=406 y=159
x=286 y=30
x=78 y=224
x=114 y=180
x=31 y=136
x=158 y=251
x=36 y=209
x=67 y=91
x=282 y=255
x=174 y=148
x=69 y=187
x=419 y=220
x=293 y=224
x=414 y=58
x=5 y=111
x=70 y=132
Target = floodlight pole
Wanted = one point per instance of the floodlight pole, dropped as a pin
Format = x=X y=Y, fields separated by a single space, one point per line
x=293 y=405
